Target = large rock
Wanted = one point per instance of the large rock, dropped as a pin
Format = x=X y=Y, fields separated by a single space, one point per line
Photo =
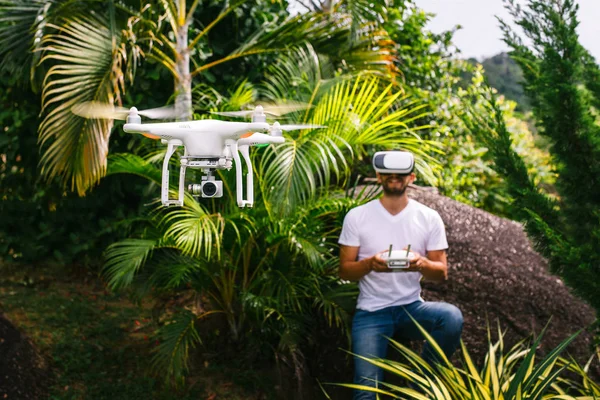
x=495 y=275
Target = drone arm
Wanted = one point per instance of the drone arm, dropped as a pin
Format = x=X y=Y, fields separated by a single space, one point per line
x=260 y=138
x=244 y=149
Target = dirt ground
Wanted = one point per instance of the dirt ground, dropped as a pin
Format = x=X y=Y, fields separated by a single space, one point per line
x=24 y=373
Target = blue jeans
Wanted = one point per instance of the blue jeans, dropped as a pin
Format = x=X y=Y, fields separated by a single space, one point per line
x=370 y=331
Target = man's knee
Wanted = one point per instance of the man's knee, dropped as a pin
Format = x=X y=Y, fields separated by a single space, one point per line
x=453 y=318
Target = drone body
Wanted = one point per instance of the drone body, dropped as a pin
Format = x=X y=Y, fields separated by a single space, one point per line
x=209 y=145
x=203 y=138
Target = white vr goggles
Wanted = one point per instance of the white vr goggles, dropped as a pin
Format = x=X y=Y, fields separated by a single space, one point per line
x=393 y=162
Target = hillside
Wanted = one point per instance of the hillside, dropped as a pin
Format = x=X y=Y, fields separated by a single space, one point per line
x=506 y=76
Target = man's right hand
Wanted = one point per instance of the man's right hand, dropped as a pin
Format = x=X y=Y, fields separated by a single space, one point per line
x=353 y=270
x=378 y=264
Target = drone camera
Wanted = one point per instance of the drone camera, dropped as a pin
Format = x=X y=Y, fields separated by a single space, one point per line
x=207 y=189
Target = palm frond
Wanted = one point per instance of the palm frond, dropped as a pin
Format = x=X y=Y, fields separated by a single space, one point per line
x=357 y=113
x=87 y=61
x=125 y=258
x=206 y=98
x=244 y=93
x=194 y=230
x=372 y=49
x=22 y=24
x=176 y=338
x=172 y=270
x=291 y=172
x=170 y=14
x=297 y=75
x=127 y=163
x=329 y=304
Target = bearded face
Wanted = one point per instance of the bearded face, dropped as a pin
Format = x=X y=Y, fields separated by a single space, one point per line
x=395 y=184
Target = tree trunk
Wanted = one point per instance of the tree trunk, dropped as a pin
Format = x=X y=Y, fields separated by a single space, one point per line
x=183 y=80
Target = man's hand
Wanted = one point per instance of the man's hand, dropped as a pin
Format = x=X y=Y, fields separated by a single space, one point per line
x=433 y=267
x=417 y=263
x=378 y=264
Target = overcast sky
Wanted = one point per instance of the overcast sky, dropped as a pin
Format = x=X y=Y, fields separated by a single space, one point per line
x=481 y=36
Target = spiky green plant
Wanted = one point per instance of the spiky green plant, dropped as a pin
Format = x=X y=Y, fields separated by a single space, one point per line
x=516 y=374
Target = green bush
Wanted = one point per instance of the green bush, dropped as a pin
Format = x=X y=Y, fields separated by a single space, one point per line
x=432 y=72
x=40 y=221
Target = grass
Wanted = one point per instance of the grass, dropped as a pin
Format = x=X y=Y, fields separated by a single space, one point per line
x=99 y=343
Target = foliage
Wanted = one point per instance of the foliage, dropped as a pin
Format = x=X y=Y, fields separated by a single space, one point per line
x=423 y=58
x=511 y=375
x=93 y=57
x=431 y=71
x=469 y=175
x=40 y=221
x=564 y=230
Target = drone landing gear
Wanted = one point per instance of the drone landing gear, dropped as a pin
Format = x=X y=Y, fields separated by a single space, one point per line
x=249 y=202
x=210 y=187
x=164 y=195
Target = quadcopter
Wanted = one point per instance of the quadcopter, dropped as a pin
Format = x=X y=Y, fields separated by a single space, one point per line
x=209 y=144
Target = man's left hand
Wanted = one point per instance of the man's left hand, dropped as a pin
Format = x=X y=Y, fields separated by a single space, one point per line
x=417 y=263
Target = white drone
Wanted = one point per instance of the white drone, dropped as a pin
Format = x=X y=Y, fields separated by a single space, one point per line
x=208 y=144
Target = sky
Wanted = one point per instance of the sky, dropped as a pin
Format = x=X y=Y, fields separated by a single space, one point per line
x=481 y=37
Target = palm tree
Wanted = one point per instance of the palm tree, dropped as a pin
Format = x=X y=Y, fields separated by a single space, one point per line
x=269 y=269
x=92 y=56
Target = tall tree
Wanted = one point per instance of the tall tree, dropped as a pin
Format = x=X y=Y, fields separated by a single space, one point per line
x=556 y=69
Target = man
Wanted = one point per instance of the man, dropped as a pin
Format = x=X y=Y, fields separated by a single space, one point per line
x=387 y=296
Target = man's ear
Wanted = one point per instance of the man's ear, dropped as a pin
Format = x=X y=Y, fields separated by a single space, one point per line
x=413 y=177
x=378 y=177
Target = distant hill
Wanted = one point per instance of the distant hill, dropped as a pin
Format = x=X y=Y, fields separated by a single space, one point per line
x=506 y=76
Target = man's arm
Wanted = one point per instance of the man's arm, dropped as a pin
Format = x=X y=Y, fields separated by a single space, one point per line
x=434 y=267
x=353 y=270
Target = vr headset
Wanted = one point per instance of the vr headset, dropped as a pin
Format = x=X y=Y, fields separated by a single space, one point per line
x=393 y=162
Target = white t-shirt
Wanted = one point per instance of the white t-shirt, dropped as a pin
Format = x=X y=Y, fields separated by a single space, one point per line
x=372 y=228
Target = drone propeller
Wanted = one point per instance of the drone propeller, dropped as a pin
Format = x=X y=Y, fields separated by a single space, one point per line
x=94 y=109
x=276 y=128
x=235 y=113
x=275 y=110
x=295 y=127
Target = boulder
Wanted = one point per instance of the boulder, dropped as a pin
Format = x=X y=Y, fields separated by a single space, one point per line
x=496 y=276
